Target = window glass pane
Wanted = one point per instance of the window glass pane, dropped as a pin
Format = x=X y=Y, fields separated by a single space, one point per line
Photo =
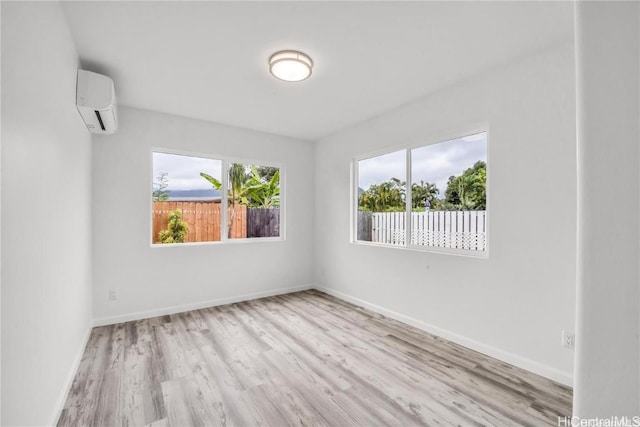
x=381 y=199
x=449 y=193
x=186 y=197
x=254 y=201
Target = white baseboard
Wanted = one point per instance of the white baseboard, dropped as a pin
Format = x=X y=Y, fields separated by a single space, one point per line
x=554 y=374
x=70 y=377
x=195 y=306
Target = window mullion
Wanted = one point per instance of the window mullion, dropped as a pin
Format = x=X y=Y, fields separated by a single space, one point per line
x=408 y=205
x=224 y=227
x=355 y=205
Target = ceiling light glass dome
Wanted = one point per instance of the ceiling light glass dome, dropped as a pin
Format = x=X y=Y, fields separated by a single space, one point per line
x=290 y=65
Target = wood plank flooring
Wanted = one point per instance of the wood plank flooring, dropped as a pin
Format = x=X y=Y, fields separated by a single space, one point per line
x=305 y=358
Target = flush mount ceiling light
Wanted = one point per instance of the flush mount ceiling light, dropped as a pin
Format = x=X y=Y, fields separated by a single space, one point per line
x=290 y=65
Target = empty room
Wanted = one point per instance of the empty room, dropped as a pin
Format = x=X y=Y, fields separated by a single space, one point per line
x=338 y=213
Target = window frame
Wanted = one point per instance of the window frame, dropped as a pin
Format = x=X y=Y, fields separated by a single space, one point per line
x=408 y=147
x=225 y=162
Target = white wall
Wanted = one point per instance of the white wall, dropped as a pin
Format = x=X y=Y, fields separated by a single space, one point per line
x=152 y=280
x=514 y=304
x=0 y=231
x=608 y=66
x=46 y=214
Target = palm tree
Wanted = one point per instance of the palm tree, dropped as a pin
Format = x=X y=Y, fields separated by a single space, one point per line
x=383 y=197
x=399 y=187
x=468 y=187
x=423 y=191
x=237 y=178
x=250 y=189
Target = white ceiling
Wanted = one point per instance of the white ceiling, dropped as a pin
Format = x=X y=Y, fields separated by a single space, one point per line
x=208 y=60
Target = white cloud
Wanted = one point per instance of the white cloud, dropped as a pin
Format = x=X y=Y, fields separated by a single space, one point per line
x=184 y=171
x=432 y=163
x=382 y=168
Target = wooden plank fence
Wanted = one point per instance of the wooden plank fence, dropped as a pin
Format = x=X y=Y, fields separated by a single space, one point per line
x=263 y=222
x=443 y=229
x=203 y=219
x=365 y=226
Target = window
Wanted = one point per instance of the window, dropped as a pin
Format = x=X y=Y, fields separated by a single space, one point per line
x=186 y=207
x=254 y=201
x=382 y=198
x=199 y=199
x=444 y=208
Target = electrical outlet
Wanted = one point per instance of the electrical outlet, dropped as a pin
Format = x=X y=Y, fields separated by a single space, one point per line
x=568 y=339
x=112 y=295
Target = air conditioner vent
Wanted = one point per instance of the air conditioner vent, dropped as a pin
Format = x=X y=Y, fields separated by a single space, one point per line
x=96 y=102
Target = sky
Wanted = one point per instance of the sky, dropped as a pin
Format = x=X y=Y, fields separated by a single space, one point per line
x=184 y=171
x=433 y=163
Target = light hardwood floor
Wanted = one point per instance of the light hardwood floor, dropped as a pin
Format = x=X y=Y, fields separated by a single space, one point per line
x=305 y=358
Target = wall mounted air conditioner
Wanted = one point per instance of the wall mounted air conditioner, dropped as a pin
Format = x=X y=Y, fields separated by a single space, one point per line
x=96 y=102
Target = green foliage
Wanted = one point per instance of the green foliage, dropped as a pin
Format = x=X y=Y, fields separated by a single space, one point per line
x=469 y=190
x=424 y=191
x=384 y=197
x=177 y=229
x=260 y=187
x=267 y=172
x=237 y=178
x=160 y=192
x=213 y=181
x=465 y=192
x=261 y=193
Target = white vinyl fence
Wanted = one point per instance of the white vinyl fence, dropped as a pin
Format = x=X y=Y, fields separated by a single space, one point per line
x=442 y=229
